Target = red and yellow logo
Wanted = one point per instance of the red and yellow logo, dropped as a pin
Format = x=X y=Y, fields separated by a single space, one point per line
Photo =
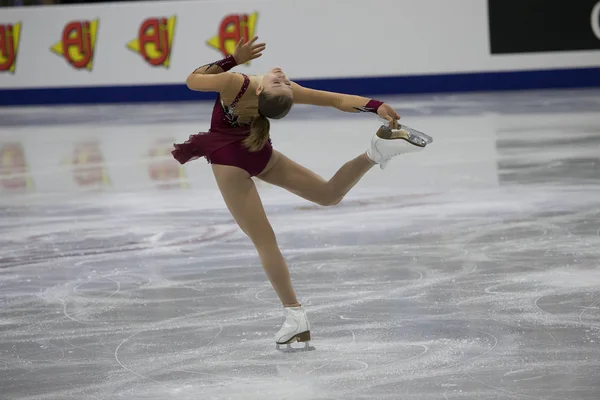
x=9 y=46
x=14 y=172
x=155 y=41
x=233 y=28
x=78 y=43
x=161 y=168
x=88 y=165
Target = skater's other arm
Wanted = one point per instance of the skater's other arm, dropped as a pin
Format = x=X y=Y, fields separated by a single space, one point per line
x=209 y=83
x=214 y=77
x=243 y=53
x=344 y=102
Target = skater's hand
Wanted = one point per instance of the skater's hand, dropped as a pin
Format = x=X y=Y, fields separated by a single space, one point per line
x=386 y=112
x=249 y=51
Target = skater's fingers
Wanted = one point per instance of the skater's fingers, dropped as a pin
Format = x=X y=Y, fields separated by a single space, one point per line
x=259 y=48
x=394 y=113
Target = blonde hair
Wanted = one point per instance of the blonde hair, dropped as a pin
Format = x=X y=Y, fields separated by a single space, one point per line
x=259 y=133
x=269 y=106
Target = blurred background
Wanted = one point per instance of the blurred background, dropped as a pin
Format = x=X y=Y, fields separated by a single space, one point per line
x=94 y=77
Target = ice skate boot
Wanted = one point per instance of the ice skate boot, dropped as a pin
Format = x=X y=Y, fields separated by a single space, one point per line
x=388 y=143
x=296 y=328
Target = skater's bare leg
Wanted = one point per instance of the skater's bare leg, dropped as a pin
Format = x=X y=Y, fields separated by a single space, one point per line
x=290 y=175
x=243 y=201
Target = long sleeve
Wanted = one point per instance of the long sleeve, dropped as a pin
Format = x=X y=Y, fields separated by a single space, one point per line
x=217 y=67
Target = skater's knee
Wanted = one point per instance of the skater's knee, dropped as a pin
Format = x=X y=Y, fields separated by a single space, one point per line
x=327 y=196
x=332 y=200
x=336 y=201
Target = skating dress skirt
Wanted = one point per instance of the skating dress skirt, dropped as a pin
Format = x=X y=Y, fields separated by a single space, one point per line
x=222 y=144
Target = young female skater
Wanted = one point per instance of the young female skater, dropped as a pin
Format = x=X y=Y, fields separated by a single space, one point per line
x=238 y=146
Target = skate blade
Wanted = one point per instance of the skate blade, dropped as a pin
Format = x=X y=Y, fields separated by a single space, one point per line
x=428 y=139
x=411 y=135
x=290 y=349
x=303 y=337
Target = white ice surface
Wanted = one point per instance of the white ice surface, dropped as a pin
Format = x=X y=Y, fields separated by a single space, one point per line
x=468 y=271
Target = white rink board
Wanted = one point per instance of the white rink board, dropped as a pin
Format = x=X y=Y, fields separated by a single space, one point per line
x=78 y=158
x=319 y=39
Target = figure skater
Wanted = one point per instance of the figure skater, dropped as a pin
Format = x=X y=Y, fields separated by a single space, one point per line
x=238 y=147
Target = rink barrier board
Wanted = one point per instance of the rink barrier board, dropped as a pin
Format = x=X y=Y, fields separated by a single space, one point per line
x=367 y=86
x=78 y=158
x=143 y=51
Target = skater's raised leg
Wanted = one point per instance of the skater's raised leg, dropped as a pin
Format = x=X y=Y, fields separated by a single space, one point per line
x=303 y=182
x=385 y=145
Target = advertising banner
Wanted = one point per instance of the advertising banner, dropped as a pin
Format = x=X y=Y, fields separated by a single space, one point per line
x=143 y=51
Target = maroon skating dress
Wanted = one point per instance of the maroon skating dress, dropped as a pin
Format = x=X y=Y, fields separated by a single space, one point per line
x=222 y=144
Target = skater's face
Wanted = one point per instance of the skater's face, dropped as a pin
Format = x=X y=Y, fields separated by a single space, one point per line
x=276 y=83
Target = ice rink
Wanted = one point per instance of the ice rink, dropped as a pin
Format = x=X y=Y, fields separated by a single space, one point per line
x=470 y=270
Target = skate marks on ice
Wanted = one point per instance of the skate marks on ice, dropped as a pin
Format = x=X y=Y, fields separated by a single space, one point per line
x=504 y=298
x=491 y=295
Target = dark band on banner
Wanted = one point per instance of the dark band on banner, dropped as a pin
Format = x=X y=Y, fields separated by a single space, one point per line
x=530 y=26
x=365 y=86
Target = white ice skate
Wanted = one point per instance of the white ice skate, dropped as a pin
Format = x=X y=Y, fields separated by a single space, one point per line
x=388 y=143
x=296 y=328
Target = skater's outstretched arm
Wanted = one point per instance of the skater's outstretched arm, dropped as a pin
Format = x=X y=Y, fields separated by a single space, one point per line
x=344 y=102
